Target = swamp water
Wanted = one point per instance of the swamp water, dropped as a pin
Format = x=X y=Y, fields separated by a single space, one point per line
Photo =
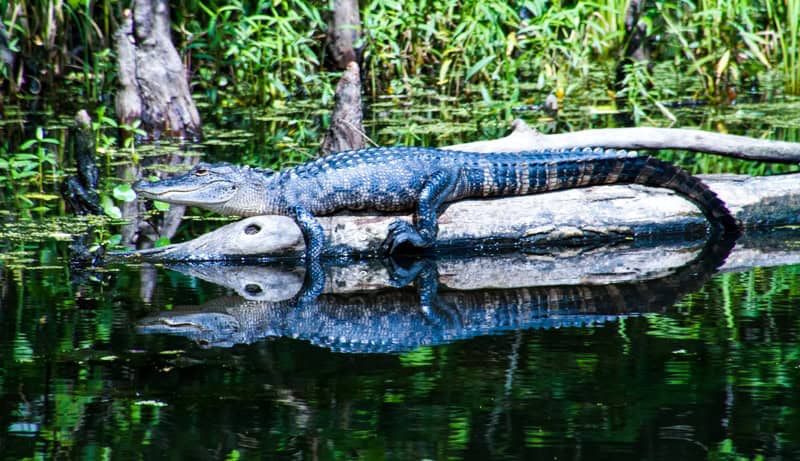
x=687 y=363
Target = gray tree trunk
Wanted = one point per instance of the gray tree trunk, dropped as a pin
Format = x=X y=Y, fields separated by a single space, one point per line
x=153 y=84
x=344 y=32
x=347 y=130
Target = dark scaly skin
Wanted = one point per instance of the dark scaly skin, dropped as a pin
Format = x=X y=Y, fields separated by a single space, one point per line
x=389 y=321
x=420 y=179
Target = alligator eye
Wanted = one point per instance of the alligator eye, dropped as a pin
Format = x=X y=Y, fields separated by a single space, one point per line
x=201 y=172
x=252 y=289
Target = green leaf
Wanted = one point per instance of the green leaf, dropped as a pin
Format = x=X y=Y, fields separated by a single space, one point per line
x=113 y=212
x=163 y=241
x=160 y=206
x=124 y=192
x=478 y=66
x=115 y=239
x=27 y=144
x=109 y=208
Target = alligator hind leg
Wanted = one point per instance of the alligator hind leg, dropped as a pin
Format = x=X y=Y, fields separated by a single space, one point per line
x=435 y=310
x=423 y=233
x=424 y=273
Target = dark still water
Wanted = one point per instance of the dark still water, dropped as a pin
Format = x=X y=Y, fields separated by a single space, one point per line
x=511 y=362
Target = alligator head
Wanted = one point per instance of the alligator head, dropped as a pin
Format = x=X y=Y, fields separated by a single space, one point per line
x=208 y=329
x=220 y=187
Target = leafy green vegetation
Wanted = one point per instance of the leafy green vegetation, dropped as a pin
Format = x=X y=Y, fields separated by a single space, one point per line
x=257 y=51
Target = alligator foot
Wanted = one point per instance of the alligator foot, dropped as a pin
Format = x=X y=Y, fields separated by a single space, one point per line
x=425 y=274
x=400 y=233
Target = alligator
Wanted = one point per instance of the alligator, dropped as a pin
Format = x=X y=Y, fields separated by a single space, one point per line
x=396 y=320
x=389 y=321
x=420 y=179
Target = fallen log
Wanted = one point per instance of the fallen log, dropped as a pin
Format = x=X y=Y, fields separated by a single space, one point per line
x=524 y=138
x=593 y=215
x=624 y=263
x=573 y=217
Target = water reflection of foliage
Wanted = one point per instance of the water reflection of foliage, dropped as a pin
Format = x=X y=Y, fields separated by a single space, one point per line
x=81 y=383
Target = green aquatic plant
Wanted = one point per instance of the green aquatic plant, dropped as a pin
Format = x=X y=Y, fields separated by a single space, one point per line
x=27 y=166
x=265 y=50
x=785 y=17
x=40 y=156
x=67 y=40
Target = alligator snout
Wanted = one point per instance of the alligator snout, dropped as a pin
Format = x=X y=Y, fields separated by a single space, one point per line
x=144 y=187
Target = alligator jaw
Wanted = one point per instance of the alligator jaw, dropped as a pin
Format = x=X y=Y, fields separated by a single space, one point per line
x=189 y=324
x=210 y=192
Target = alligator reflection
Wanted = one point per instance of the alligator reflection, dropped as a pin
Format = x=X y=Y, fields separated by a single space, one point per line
x=389 y=320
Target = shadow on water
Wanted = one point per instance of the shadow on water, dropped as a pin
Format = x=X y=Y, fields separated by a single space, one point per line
x=372 y=309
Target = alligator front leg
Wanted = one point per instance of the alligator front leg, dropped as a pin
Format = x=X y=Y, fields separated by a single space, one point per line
x=315 y=242
x=312 y=232
x=422 y=234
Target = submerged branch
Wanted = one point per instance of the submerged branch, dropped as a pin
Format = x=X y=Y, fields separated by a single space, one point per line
x=525 y=138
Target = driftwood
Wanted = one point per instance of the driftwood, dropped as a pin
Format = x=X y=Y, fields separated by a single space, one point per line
x=578 y=216
x=598 y=214
x=153 y=86
x=524 y=138
x=346 y=131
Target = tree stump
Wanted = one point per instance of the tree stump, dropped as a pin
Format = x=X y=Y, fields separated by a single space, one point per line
x=80 y=191
x=153 y=81
x=344 y=32
x=347 y=130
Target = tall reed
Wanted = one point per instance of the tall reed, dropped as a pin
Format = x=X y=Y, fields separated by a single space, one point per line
x=785 y=17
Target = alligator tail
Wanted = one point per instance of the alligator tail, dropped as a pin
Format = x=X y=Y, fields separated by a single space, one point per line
x=649 y=171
